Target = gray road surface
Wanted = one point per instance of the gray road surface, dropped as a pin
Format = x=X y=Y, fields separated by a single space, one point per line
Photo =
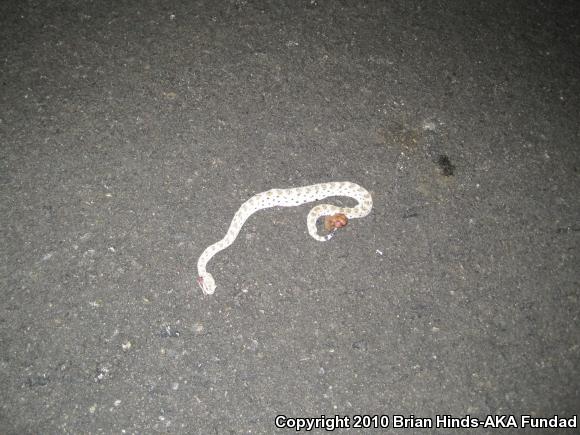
x=130 y=133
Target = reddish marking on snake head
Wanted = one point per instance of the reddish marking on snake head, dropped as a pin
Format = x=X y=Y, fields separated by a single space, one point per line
x=334 y=222
x=200 y=281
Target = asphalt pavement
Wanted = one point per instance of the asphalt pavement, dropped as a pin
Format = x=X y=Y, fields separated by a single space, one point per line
x=132 y=131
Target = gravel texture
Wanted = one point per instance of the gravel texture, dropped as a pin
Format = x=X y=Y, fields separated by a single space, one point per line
x=131 y=132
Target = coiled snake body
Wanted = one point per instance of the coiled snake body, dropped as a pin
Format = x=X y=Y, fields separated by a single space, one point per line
x=290 y=198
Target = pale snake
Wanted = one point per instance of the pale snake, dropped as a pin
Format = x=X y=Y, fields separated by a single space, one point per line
x=289 y=198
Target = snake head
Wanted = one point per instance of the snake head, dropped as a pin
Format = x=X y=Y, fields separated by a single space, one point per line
x=332 y=223
x=207 y=283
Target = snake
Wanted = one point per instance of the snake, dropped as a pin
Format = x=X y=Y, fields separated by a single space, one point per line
x=291 y=197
